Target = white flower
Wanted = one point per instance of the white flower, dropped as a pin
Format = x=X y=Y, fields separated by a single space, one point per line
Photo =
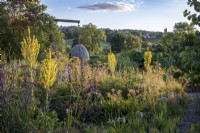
x=140 y=114
x=112 y=122
x=123 y=119
x=96 y=93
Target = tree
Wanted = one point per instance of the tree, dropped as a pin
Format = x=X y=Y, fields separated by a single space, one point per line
x=132 y=42
x=182 y=27
x=91 y=37
x=175 y=42
x=17 y=15
x=172 y=44
x=190 y=56
x=195 y=18
x=117 y=42
x=109 y=34
x=121 y=42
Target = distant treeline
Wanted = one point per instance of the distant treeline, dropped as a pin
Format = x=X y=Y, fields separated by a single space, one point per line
x=71 y=32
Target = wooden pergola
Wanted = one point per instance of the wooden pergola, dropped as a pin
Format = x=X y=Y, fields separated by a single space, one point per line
x=67 y=21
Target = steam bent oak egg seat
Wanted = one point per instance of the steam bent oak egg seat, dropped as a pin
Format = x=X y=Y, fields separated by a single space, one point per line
x=80 y=51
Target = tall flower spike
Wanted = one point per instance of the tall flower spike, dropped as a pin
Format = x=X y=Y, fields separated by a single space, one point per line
x=112 y=62
x=48 y=71
x=147 y=59
x=30 y=48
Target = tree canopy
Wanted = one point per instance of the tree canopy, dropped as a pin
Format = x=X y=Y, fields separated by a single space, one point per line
x=184 y=27
x=91 y=37
x=15 y=18
x=194 y=17
x=122 y=42
x=191 y=54
x=117 y=42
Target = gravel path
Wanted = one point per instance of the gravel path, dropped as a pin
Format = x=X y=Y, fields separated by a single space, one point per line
x=191 y=114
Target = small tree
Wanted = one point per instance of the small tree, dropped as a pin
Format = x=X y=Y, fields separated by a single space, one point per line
x=132 y=42
x=91 y=37
x=117 y=42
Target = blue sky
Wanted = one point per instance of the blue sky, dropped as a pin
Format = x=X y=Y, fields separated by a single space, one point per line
x=151 y=15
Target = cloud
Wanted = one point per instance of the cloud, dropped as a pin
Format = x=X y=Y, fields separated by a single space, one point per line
x=123 y=6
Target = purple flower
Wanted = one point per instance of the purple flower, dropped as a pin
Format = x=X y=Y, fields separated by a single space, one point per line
x=90 y=88
x=35 y=84
x=3 y=76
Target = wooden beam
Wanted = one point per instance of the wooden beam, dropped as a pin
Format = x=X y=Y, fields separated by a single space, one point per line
x=67 y=20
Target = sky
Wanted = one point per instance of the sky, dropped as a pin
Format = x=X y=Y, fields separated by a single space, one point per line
x=150 y=15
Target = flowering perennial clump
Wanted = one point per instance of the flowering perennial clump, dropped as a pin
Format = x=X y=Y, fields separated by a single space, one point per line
x=112 y=62
x=147 y=59
x=30 y=48
x=48 y=71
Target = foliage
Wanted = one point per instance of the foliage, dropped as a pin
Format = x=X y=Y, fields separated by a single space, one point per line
x=125 y=101
x=125 y=60
x=86 y=98
x=17 y=15
x=91 y=38
x=190 y=58
x=70 y=32
x=117 y=42
x=132 y=42
x=112 y=62
x=180 y=51
x=195 y=128
x=182 y=27
x=122 y=42
x=191 y=53
x=193 y=17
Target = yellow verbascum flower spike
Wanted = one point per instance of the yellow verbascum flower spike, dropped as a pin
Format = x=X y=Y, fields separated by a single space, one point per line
x=48 y=71
x=112 y=62
x=147 y=59
x=30 y=48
